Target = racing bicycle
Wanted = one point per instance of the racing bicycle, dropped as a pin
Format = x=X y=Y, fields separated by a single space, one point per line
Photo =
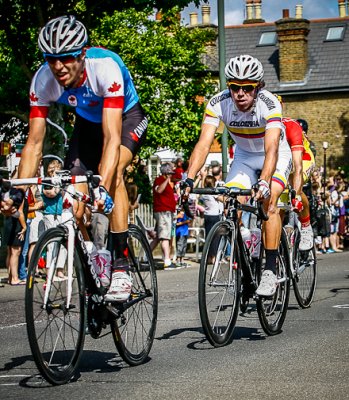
x=229 y=275
x=61 y=311
x=303 y=263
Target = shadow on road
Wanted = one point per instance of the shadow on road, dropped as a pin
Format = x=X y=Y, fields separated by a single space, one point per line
x=91 y=361
x=243 y=333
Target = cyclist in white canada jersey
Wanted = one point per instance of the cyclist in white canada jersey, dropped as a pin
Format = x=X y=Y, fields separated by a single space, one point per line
x=109 y=129
x=252 y=116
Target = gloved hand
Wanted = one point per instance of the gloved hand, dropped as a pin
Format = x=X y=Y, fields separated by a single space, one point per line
x=102 y=196
x=263 y=188
x=188 y=183
x=297 y=203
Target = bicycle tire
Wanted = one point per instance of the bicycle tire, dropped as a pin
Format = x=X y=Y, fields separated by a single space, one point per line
x=134 y=331
x=272 y=311
x=305 y=273
x=219 y=284
x=56 y=334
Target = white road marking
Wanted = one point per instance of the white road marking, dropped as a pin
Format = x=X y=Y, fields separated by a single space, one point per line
x=13 y=326
x=341 y=306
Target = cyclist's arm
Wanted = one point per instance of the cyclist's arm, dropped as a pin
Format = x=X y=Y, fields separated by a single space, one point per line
x=271 y=146
x=297 y=157
x=201 y=150
x=112 y=126
x=32 y=151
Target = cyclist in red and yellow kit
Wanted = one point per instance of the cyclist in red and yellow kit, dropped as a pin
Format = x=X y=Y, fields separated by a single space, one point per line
x=303 y=163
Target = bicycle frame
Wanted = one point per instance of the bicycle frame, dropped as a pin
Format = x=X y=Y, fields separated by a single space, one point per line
x=74 y=236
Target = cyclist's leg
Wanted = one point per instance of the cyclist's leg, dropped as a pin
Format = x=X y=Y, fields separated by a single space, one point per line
x=134 y=126
x=307 y=235
x=87 y=135
x=272 y=227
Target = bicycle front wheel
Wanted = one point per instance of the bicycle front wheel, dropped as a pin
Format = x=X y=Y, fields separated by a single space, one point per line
x=56 y=330
x=272 y=311
x=305 y=273
x=219 y=284
x=134 y=330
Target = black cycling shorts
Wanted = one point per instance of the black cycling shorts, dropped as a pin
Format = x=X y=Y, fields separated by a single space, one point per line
x=86 y=144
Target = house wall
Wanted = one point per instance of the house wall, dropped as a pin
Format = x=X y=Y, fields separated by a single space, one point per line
x=328 y=119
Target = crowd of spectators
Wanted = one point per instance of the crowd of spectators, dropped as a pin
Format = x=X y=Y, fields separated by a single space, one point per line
x=329 y=201
x=330 y=205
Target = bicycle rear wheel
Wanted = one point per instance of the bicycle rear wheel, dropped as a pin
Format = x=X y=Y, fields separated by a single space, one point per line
x=56 y=332
x=272 y=311
x=305 y=273
x=134 y=331
x=219 y=284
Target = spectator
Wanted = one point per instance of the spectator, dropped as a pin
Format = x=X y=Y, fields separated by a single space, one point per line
x=14 y=235
x=212 y=205
x=164 y=209
x=216 y=170
x=37 y=223
x=182 y=233
x=178 y=171
x=53 y=207
x=33 y=206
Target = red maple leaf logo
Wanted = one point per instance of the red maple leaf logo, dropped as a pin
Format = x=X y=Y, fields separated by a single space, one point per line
x=115 y=87
x=67 y=204
x=33 y=97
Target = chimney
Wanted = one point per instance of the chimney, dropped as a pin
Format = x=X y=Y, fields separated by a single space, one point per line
x=193 y=19
x=206 y=15
x=253 y=12
x=342 y=8
x=299 y=11
x=258 y=10
x=293 y=47
x=249 y=10
x=285 y=13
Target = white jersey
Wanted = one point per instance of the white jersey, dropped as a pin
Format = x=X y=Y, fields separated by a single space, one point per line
x=249 y=128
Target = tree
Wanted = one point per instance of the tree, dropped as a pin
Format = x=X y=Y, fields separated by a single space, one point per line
x=165 y=61
x=163 y=57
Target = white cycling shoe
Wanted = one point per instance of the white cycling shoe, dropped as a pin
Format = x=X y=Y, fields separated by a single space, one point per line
x=268 y=284
x=120 y=287
x=307 y=238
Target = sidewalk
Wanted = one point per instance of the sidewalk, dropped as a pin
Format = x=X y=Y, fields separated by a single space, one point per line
x=159 y=265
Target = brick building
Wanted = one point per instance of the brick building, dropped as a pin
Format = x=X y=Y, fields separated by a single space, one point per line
x=307 y=63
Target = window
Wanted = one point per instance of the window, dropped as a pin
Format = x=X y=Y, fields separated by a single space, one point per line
x=267 y=39
x=335 y=33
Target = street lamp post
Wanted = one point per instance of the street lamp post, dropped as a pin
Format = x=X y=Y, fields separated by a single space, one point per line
x=221 y=51
x=325 y=147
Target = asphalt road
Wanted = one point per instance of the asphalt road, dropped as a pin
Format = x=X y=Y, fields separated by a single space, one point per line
x=309 y=360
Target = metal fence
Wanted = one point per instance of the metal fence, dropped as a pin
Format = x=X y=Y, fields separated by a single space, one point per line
x=145 y=213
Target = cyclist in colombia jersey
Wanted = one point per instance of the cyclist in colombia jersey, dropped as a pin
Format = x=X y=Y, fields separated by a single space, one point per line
x=110 y=125
x=252 y=116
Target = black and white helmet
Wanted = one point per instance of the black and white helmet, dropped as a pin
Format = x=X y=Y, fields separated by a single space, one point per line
x=244 y=67
x=62 y=35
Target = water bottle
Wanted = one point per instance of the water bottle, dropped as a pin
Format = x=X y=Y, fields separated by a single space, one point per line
x=256 y=236
x=246 y=236
x=101 y=261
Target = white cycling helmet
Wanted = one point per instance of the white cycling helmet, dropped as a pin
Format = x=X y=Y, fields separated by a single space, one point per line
x=244 y=67
x=62 y=35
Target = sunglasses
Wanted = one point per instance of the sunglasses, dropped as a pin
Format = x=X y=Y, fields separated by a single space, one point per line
x=64 y=58
x=248 y=87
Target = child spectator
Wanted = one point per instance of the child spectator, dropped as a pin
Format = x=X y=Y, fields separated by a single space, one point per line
x=182 y=232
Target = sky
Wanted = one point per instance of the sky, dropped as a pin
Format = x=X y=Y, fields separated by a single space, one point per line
x=271 y=10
